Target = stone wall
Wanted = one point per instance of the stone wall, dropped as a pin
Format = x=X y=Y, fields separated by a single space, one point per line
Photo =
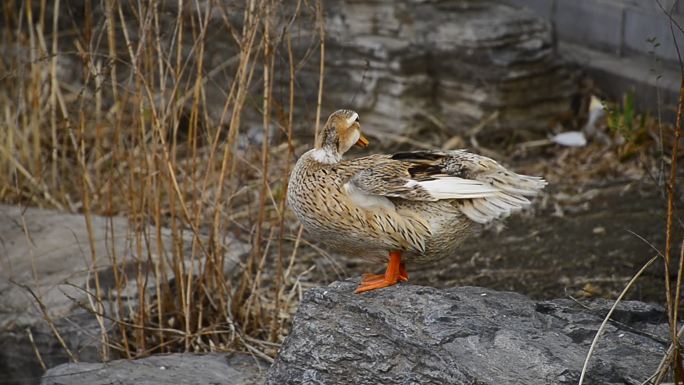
x=459 y=62
x=624 y=44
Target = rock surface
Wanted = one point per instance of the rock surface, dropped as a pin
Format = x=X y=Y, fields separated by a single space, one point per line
x=180 y=369
x=461 y=62
x=45 y=250
x=49 y=252
x=466 y=335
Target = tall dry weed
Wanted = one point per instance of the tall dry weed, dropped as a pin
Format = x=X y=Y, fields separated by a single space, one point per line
x=141 y=109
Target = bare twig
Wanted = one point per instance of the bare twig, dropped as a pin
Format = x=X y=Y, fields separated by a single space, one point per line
x=607 y=318
x=673 y=306
x=321 y=31
x=47 y=318
x=35 y=348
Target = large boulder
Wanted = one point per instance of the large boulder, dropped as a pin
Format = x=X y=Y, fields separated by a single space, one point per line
x=178 y=369
x=462 y=62
x=48 y=253
x=47 y=259
x=410 y=334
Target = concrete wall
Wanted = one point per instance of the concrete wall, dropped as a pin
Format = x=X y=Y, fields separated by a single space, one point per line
x=615 y=40
x=621 y=27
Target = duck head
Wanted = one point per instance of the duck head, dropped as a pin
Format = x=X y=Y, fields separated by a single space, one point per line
x=340 y=133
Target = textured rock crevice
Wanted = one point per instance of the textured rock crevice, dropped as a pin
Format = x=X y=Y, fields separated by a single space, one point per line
x=418 y=335
x=461 y=62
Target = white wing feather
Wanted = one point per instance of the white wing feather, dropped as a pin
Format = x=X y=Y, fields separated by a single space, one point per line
x=451 y=187
x=484 y=201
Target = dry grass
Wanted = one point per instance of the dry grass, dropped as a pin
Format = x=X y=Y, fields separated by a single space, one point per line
x=118 y=115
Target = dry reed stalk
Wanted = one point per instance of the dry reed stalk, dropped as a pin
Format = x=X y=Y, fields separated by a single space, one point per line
x=39 y=357
x=91 y=238
x=34 y=93
x=319 y=100
x=673 y=304
x=275 y=320
x=147 y=147
x=666 y=362
x=48 y=319
x=54 y=86
x=268 y=59
x=117 y=284
x=602 y=327
x=243 y=76
x=673 y=307
x=193 y=129
x=159 y=265
x=112 y=62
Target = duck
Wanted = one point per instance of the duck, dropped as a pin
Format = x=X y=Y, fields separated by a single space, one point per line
x=403 y=208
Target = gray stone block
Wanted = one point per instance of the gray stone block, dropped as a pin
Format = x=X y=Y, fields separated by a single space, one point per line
x=589 y=22
x=410 y=334
x=641 y=26
x=647 y=5
x=616 y=75
x=58 y=253
x=542 y=8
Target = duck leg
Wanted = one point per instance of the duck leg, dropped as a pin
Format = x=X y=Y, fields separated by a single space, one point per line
x=403 y=275
x=395 y=272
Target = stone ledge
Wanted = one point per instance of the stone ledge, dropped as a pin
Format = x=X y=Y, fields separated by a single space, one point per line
x=179 y=369
x=616 y=75
x=410 y=334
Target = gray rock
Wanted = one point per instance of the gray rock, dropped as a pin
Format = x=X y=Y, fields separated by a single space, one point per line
x=49 y=252
x=466 y=335
x=181 y=369
x=45 y=250
x=459 y=61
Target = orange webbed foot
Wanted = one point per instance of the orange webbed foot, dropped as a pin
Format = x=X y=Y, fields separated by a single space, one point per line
x=395 y=272
x=374 y=283
x=371 y=277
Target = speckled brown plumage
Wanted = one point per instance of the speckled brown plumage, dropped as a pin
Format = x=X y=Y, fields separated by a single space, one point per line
x=420 y=203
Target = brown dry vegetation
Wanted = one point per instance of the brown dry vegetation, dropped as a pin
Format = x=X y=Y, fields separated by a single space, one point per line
x=94 y=126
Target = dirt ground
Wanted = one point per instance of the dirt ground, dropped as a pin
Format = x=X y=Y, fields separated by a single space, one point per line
x=593 y=252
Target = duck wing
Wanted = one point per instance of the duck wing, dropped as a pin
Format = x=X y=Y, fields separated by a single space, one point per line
x=482 y=188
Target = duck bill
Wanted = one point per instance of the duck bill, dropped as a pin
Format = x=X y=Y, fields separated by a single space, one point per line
x=362 y=142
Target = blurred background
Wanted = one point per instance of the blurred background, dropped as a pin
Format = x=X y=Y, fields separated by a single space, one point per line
x=145 y=148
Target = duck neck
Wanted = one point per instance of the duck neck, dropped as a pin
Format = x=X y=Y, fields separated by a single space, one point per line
x=326 y=154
